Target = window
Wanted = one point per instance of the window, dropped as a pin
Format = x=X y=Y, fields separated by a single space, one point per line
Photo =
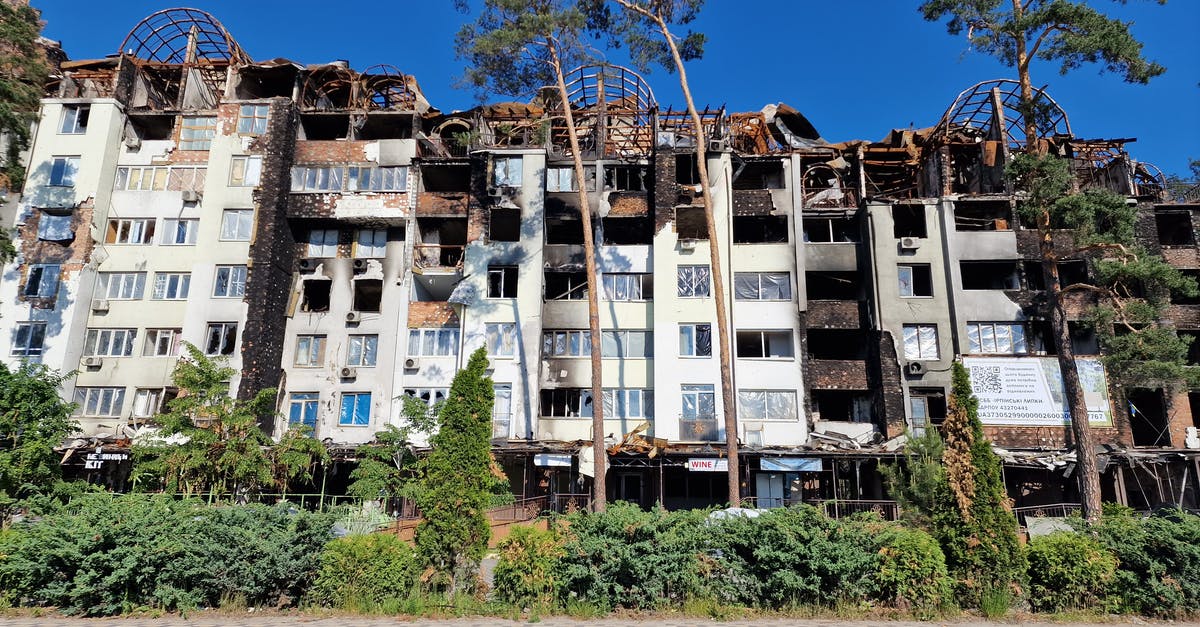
x=432 y=397
x=42 y=281
x=180 y=232
x=322 y=243
x=567 y=344
x=908 y=221
x=313 y=178
x=501 y=339
x=146 y=402
x=28 y=339
x=99 y=402
x=1004 y=338
x=760 y=229
x=74 y=119
x=371 y=244
x=55 y=227
x=566 y=403
x=162 y=342
x=109 y=342
x=629 y=404
x=762 y=286
x=830 y=230
x=627 y=344
x=122 y=285
x=920 y=341
x=764 y=345
x=432 y=342
x=693 y=281
x=368 y=295
x=237 y=225
x=506 y=172
x=302 y=409
x=927 y=407
x=252 y=119
x=1175 y=228
x=356 y=409
x=171 y=285
x=629 y=178
x=63 y=171
x=502 y=281
x=130 y=231
x=363 y=350
x=315 y=295
x=695 y=340
x=245 y=171
x=566 y=285
x=767 y=405
x=686 y=170
x=159 y=178
x=622 y=287
x=504 y=225
x=310 y=350
x=560 y=179
x=915 y=280
x=197 y=131
x=690 y=223
x=230 y=282
x=699 y=402
x=991 y=275
x=220 y=338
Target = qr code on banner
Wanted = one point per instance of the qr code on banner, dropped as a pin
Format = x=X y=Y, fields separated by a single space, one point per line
x=986 y=380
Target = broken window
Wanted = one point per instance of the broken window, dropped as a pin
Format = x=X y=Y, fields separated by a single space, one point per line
x=245 y=171
x=505 y=225
x=167 y=285
x=989 y=275
x=837 y=344
x=230 y=282
x=74 y=119
x=502 y=281
x=1148 y=417
x=563 y=228
x=1083 y=339
x=927 y=406
x=315 y=295
x=565 y=285
x=762 y=286
x=252 y=119
x=134 y=231
x=220 y=338
x=325 y=126
x=760 y=229
x=764 y=174
x=767 y=405
x=626 y=178
x=323 y=243
x=916 y=280
x=921 y=341
x=823 y=285
x=442 y=242
x=197 y=132
x=908 y=221
x=982 y=215
x=764 y=345
x=506 y=172
x=996 y=338
x=566 y=343
x=690 y=223
x=55 y=226
x=843 y=405
x=446 y=177
x=1072 y=272
x=632 y=231
x=43 y=280
x=686 y=171
x=368 y=295
x=835 y=229
x=63 y=171
x=627 y=286
x=310 y=351
x=693 y=281
x=1175 y=228
x=566 y=403
x=695 y=340
x=237 y=225
x=1179 y=298
x=1034 y=278
x=28 y=339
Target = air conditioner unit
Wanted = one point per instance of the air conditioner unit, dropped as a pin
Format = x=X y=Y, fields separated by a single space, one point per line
x=910 y=243
x=92 y=362
x=353 y=317
x=718 y=145
x=133 y=142
x=916 y=368
x=412 y=363
x=308 y=265
x=100 y=306
x=495 y=193
x=687 y=244
x=360 y=265
x=191 y=195
x=349 y=373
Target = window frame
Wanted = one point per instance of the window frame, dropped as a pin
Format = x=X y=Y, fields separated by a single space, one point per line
x=787 y=277
x=694 y=354
x=252 y=118
x=621 y=341
x=152 y=408
x=183 y=285
x=373 y=250
x=437 y=334
x=576 y=343
x=83 y=401
x=154 y=339
x=512 y=164
x=500 y=338
x=356 y=399
x=977 y=342
x=72 y=113
x=241 y=216
x=117 y=342
x=507 y=274
x=222 y=330
x=363 y=340
x=699 y=391
x=576 y=403
x=765 y=344
x=310 y=351
x=52 y=223
x=42 y=281
x=691 y=288
x=203 y=133
x=617 y=403
x=911 y=269
x=171 y=228
x=63 y=171
x=300 y=405
x=234 y=288
x=743 y=414
x=250 y=170
x=919 y=329
x=609 y=289
x=321 y=249
x=24 y=346
x=121 y=231
x=136 y=290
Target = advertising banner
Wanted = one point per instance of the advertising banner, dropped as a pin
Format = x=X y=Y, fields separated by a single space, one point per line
x=1028 y=391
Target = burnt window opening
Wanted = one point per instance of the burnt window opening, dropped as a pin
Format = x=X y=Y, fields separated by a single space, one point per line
x=564 y=228
x=150 y=127
x=631 y=231
x=908 y=221
x=1034 y=278
x=502 y=281
x=315 y=296
x=843 y=405
x=257 y=83
x=1039 y=338
x=927 y=406
x=505 y=225
x=1179 y=298
x=837 y=344
x=380 y=125
x=1072 y=272
x=915 y=280
x=982 y=215
x=446 y=177
x=823 y=285
x=1193 y=351
x=686 y=170
x=830 y=230
x=1083 y=339
x=690 y=223
x=1194 y=404
x=760 y=229
x=325 y=126
x=1148 y=417
x=441 y=242
x=1175 y=228
x=565 y=285
x=765 y=174
x=989 y=275
x=368 y=295
x=625 y=178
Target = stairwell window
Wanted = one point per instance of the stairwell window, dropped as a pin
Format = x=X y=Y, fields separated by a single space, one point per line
x=363 y=350
x=302 y=409
x=695 y=340
x=921 y=341
x=171 y=285
x=74 y=119
x=310 y=351
x=162 y=342
x=323 y=243
x=501 y=339
x=502 y=281
x=197 y=132
x=237 y=225
x=356 y=409
x=220 y=338
x=245 y=171
x=230 y=282
x=42 y=281
x=693 y=281
x=63 y=171
x=252 y=119
x=506 y=172
x=28 y=339
x=180 y=231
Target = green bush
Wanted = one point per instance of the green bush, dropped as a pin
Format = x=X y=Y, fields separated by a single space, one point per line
x=911 y=572
x=526 y=573
x=1158 y=571
x=1068 y=571
x=364 y=572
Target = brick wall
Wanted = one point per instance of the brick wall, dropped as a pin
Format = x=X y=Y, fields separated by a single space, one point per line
x=328 y=152
x=70 y=255
x=431 y=314
x=834 y=314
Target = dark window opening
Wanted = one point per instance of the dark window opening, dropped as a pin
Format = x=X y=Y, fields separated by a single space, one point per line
x=381 y=125
x=1193 y=351
x=1194 y=404
x=566 y=285
x=760 y=229
x=1148 y=417
x=151 y=127
x=628 y=231
x=1034 y=278
x=1175 y=228
x=686 y=170
x=1083 y=339
x=690 y=223
x=928 y=401
x=843 y=405
x=1040 y=338
x=446 y=177
x=325 y=126
x=908 y=221
x=1179 y=298
x=316 y=295
x=764 y=344
x=982 y=215
x=502 y=281
x=564 y=228
x=915 y=280
x=837 y=344
x=254 y=83
x=766 y=174
x=505 y=225
x=831 y=285
x=1071 y=272
x=441 y=243
x=629 y=178
x=368 y=295
x=989 y=275
x=823 y=230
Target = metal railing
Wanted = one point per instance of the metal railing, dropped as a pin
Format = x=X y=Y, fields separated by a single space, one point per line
x=840 y=508
x=438 y=256
x=566 y=503
x=1052 y=510
x=521 y=509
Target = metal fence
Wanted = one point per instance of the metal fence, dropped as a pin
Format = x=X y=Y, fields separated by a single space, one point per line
x=1053 y=510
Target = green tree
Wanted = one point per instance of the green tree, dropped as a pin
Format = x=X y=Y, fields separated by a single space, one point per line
x=386 y=465
x=458 y=479
x=917 y=482
x=33 y=420
x=518 y=46
x=23 y=74
x=1069 y=33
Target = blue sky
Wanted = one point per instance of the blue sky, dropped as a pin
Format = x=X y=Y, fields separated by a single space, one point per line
x=856 y=68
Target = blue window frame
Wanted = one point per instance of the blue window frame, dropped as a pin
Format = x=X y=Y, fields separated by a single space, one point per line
x=302 y=409
x=356 y=409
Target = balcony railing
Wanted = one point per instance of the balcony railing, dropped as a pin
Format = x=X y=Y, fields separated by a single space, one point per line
x=438 y=256
x=566 y=503
x=840 y=508
x=699 y=430
x=1053 y=510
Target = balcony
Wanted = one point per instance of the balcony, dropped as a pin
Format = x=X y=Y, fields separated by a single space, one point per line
x=699 y=430
x=438 y=256
x=838 y=374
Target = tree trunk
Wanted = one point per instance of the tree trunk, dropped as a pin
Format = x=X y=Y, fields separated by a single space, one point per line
x=1026 y=85
x=599 y=487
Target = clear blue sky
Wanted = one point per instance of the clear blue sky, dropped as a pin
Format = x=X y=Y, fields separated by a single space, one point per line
x=856 y=68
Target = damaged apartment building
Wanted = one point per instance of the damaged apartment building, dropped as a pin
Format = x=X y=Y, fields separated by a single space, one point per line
x=340 y=240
